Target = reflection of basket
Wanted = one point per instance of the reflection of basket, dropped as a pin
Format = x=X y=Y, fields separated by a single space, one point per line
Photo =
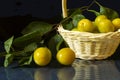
x=95 y=70
x=90 y=46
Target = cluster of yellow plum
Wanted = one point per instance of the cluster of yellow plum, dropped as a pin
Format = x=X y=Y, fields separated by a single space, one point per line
x=101 y=24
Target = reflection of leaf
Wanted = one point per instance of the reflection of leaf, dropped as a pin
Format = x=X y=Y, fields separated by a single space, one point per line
x=7 y=44
x=42 y=27
x=8 y=59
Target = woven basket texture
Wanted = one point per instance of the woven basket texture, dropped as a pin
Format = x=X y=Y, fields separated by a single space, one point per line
x=91 y=46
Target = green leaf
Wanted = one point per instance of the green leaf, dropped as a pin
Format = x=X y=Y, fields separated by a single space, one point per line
x=58 y=46
x=32 y=33
x=68 y=24
x=8 y=59
x=76 y=18
x=110 y=13
x=26 y=60
x=42 y=27
x=19 y=54
x=26 y=39
x=73 y=12
x=8 y=43
x=30 y=47
x=30 y=60
x=53 y=42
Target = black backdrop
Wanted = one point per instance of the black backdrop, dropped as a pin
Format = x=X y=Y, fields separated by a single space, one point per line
x=16 y=14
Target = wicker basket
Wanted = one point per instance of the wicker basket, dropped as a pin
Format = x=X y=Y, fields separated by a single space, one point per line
x=91 y=46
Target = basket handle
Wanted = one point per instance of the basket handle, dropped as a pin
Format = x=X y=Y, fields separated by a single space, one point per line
x=64 y=8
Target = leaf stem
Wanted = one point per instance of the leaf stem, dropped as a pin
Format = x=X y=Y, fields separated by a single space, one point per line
x=97 y=3
x=87 y=7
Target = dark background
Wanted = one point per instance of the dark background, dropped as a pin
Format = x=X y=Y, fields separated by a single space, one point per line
x=16 y=14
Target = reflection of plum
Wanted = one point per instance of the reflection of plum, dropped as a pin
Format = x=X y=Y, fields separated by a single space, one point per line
x=42 y=74
x=66 y=73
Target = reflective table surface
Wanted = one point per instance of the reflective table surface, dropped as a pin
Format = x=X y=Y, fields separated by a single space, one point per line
x=80 y=70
